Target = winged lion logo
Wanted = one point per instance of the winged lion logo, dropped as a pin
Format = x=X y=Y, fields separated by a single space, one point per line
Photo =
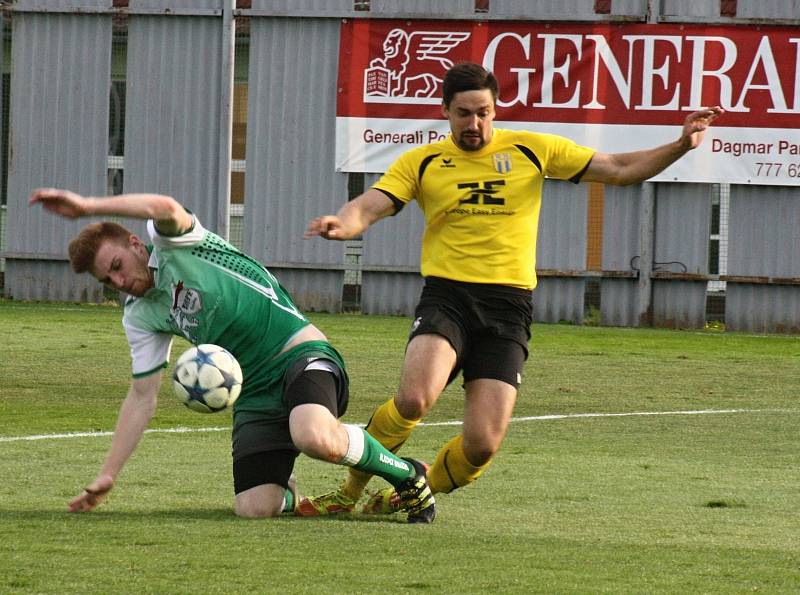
x=412 y=67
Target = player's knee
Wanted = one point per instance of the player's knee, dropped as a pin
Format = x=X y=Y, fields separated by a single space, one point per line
x=250 y=508
x=256 y=511
x=259 y=502
x=480 y=457
x=319 y=443
x=415 y=403
x=479 y=453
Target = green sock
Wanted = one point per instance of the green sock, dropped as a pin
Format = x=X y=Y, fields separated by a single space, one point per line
x=288 y=501
x=368 y=455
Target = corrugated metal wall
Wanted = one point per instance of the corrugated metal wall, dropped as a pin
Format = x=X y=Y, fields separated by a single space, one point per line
x=172 y=115
x=580 y=10
x=561 y=245
x=304 y=6
x=690 y=8
x=176 y=123
x=764 y=243
x=390 y=282
x=423 y=7
x=768 y=9
x=621 y=217
x=59 y=137
x=683 y=226
x=290 y=151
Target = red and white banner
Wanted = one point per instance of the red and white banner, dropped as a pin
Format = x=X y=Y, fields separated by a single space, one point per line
x=612 y=87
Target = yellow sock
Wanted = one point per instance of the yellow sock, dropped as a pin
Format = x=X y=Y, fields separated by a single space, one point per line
x=451 y=469
x=389 y=428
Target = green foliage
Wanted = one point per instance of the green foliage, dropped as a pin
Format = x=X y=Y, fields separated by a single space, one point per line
x=592 y=316
x=578 y=501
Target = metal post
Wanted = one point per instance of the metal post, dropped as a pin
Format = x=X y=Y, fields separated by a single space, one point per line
x=647 y=225
x=653 y=11
x=226 y=117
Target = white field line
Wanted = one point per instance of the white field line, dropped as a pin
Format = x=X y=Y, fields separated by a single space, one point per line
x=441 y=423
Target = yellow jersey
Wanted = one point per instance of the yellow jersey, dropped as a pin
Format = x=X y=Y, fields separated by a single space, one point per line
x=482 y=207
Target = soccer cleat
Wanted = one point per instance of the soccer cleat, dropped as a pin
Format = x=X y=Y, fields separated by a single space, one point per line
x=385 y=501
x=415 y=495
x=327 y=504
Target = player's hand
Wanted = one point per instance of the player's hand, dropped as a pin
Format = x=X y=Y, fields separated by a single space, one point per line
x=696 y=123
x=62 y=202
x=329 y=227
x=92 y=495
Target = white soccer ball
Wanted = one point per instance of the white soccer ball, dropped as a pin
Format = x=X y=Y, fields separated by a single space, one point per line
x=207 y=378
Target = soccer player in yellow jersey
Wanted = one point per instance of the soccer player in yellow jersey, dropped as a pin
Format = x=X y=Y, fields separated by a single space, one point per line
x=480 y=192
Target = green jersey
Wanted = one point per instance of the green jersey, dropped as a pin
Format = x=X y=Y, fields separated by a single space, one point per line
x=207 y=291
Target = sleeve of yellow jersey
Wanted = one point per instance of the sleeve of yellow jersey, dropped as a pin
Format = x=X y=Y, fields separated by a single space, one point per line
x=400 y=180
x=565 y=158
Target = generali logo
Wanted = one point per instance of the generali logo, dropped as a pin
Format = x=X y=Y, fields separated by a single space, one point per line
x=412 y=67
x=579 y=73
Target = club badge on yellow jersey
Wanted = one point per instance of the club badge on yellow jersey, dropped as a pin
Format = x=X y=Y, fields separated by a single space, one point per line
x=502 y=162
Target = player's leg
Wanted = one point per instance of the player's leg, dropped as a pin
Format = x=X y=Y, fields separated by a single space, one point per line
x=321 y=436
x=488 y=409
x=431 y=362
x=492 y=373
x=314 y=399
x=492 y=370
x=427 y=368
x=263 y=483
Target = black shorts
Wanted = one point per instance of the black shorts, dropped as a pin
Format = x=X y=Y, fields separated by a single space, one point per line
x=489 y=326
x=263 y=451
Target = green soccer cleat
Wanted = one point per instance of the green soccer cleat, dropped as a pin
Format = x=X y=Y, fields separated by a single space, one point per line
x=415 y=495
x=325 y=505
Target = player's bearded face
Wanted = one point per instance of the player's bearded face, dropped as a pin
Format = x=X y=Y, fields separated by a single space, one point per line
x=471 y=114
x=123 y=266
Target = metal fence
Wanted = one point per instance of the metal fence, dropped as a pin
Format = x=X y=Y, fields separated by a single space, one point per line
x=202 y=99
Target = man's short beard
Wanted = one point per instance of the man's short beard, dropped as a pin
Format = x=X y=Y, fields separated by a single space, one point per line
x=465 y=147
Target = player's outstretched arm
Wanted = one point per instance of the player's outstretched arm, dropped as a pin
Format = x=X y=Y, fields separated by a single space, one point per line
x=134 y=415
x=621 y=169
x=169 y=216
x=353 y=218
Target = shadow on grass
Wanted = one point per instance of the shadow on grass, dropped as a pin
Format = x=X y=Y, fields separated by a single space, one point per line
x=103 y=515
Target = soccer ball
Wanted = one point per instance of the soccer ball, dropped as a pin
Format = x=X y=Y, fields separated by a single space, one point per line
x=207 y=378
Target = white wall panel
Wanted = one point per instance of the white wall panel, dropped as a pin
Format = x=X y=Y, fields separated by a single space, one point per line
x=59 y=135
x=173 y=108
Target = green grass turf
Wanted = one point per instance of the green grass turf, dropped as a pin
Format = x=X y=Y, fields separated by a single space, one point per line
x=670 y=503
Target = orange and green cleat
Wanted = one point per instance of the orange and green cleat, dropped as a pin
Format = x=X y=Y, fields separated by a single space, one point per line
x=325 y=505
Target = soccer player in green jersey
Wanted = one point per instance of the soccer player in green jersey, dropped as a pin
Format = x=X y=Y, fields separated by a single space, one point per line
x=480 y=192
x=191 y=283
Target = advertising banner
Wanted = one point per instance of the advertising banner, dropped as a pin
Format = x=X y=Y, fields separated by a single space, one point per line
x=612 y=87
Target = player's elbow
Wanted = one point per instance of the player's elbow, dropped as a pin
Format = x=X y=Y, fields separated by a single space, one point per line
x=627 y=180
x=621 y=177
x=168 y=209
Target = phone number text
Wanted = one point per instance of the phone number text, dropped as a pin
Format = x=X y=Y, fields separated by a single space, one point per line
x=767 y=169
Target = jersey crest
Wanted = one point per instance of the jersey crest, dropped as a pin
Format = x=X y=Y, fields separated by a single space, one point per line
x=186 y=304
x=502 y=162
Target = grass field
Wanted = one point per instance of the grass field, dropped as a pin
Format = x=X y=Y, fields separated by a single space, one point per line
x=639 y=461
